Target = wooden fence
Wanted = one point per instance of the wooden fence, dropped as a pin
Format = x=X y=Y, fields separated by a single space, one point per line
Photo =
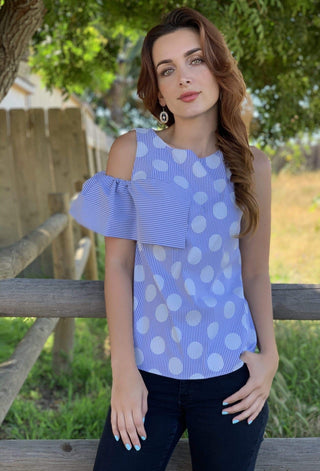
x=41 y=152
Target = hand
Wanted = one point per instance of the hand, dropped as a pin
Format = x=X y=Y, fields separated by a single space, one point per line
x=129 y=407
x=254 y=393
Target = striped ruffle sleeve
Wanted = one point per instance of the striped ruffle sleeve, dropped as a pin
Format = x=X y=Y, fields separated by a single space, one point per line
x=150 y=211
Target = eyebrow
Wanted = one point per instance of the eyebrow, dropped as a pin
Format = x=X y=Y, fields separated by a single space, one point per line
x=186 y=54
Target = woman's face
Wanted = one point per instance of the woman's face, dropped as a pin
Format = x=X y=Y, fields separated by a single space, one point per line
x=186 y=85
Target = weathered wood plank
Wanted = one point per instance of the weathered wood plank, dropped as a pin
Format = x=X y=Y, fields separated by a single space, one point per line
x=276 y=454
x=14 y=371
x=16 y=257
x=83 y=298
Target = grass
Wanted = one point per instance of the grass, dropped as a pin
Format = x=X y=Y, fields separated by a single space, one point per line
x=74 y=406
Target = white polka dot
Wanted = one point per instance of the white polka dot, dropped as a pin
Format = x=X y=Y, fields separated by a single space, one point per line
x=239 y=292
x=194 y=255
x=197 y=376
x=244 y=321
x=161 y=313
x=179 y=155
x=252 y=336
x=220 y=210
x=212 y=330
x=159 y=252
x=228 y=272
x=138 y=356
x=142 y=149
x=175 y=366
x=193 y=318
x=199 y=224
x=228 y=172
x=198 y=170
x=158 y=143
x=210 y=301
x=234 y=228
x=176 y=334
x=143 y=325
x=215 y=242
x=219 y=185
x=181 y=181
x=215 y=362
x=200 y=197
x=151 y=293
x=154 y=371
x=233 y=197
x=159 y=281
x=190 y=287
x=217 y=287
x=138 y=273
x=176 y=270
x=139 y=245
x=160 y=165
x=141 y=175
x=157 y=345
x=232 y=341
x=135 y=303
x=213 y=161
x=194 y=350
x=174 y=302
x=229 y=309
x=207 y=274
x=225 y=260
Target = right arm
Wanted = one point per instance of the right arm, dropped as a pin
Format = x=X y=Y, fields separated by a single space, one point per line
x=129 y=394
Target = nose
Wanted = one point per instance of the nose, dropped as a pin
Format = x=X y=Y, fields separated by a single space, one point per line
x=184 y=81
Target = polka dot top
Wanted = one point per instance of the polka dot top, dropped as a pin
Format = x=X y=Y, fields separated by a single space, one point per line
x=190 y=317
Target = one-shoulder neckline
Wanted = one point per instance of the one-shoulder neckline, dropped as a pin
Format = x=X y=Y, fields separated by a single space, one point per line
x=217 y=152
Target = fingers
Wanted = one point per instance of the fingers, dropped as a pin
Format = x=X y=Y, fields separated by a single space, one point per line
x=129 y=426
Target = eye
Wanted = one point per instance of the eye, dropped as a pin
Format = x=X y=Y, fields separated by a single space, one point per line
x=197 y=60
x=166 y=72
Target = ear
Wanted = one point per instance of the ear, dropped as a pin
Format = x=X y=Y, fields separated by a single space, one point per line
x=161 y=99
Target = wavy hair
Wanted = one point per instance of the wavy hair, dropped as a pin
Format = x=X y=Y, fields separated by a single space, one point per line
x=231 y=133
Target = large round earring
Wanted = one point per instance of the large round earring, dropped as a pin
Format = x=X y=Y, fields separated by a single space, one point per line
x=164 y=117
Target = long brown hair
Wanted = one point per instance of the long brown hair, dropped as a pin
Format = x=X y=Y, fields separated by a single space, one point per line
x=231 y=132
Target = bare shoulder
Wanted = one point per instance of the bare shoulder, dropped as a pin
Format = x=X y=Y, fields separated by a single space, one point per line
x=261 y=162
x=122 y=156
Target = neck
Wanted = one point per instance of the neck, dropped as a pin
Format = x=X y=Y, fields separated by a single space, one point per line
x=197 y=134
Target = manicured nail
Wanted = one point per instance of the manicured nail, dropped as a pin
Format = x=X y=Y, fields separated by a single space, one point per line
x=225 y=403
x=128 y=447
x=137 y=447
x=143 y=438
x=250 y=422
x=225 y=412
x=116 y=437
x=143 y=419
x=235 y=421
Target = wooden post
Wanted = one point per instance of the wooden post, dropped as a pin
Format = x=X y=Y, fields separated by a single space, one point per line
x=63 y=268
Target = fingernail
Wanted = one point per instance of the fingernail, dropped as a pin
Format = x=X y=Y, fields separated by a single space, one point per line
x=250 y=422
x=225 y=412
x=235 y=421
x=116 y=437
x=143 y=438
x=225 y=403
x=143 y=419
x=137 y=447
x=128 y=447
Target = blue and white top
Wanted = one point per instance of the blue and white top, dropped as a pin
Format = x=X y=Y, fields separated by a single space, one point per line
x=190 y=317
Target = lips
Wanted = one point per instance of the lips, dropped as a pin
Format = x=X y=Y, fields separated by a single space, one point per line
x=189 y=96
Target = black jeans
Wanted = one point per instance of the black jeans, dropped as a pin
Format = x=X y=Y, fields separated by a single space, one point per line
x=176 y=405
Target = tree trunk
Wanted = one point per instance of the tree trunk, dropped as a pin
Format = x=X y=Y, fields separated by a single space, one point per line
x=19 y=19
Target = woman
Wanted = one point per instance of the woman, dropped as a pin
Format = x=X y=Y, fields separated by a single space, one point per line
x=186 y=217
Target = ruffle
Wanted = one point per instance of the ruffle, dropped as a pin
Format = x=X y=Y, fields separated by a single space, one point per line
x=149 y=211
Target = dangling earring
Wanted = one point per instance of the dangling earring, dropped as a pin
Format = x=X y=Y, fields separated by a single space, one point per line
x=164 y=117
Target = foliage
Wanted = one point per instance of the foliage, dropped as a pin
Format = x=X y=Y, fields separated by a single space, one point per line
x=275 y=43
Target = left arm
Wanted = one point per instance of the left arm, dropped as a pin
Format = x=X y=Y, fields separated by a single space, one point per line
x=257 y=289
